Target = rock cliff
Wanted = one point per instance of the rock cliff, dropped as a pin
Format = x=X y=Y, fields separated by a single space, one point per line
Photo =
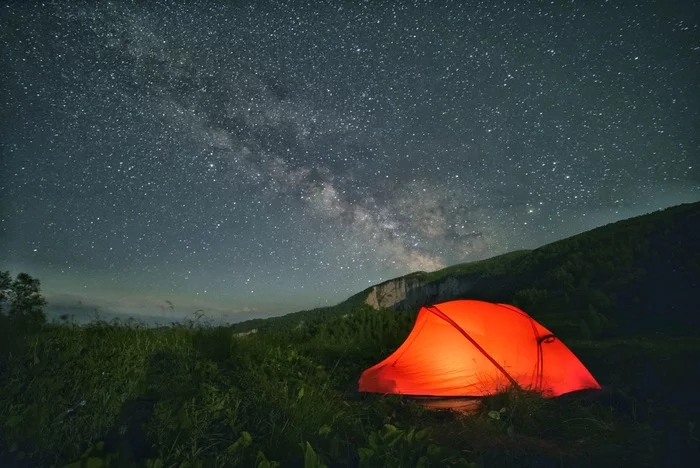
x=387 y=294
x=411 y=292
x=493 y=279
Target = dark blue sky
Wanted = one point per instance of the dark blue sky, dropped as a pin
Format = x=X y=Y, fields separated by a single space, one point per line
x=262 y=159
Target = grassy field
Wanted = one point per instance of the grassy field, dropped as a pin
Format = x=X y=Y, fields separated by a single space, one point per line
x=125 y=395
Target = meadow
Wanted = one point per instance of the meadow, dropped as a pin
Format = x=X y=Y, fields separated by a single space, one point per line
x=121 y=394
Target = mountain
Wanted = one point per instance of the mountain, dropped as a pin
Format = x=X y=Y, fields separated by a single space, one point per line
x=632 y=276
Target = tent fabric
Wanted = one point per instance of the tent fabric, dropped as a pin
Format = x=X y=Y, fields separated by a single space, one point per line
x=476 y=348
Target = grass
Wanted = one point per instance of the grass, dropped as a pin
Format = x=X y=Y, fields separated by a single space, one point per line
x=125 y=395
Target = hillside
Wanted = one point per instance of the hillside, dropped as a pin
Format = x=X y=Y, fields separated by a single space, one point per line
x=623 y=278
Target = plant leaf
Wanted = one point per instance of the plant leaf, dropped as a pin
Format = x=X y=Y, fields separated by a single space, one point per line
x=310 y=458
x=94 y=462
x=365 y=453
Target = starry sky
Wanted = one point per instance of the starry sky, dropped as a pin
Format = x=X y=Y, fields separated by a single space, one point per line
x=252 y=159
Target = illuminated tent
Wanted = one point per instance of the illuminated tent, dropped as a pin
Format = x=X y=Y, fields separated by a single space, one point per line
x=475 y=348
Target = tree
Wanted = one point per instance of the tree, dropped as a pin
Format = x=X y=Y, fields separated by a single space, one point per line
x=599 y=300
x=530 y=297
x=584 y=330
x=597 y=322
x=22 y=298
x=5 y=285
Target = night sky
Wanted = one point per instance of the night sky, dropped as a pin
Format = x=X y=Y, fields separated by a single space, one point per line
x=256 y=159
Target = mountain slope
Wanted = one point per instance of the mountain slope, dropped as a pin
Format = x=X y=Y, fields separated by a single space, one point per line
x=629 y=276
x=625 y=277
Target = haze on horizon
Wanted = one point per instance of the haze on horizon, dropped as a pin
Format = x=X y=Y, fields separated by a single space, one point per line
x=251 y=160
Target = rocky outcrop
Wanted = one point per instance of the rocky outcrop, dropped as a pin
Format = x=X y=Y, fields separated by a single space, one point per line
x=411 y=293
x=387 y=294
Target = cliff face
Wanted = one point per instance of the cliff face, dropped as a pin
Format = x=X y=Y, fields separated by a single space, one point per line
x=388 y=294
x=411 y=293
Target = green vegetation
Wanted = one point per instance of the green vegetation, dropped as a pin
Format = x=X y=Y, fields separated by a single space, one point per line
x=127 y=395
x=121 y=394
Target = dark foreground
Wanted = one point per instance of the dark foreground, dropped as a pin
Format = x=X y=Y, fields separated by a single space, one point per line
x=118 y=395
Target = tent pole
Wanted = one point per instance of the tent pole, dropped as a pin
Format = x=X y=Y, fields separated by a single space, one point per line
x=440 y=314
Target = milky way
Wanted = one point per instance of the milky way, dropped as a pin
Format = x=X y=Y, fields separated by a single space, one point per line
x=265 y=158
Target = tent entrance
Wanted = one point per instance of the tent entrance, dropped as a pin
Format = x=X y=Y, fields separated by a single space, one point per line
x=500 y=368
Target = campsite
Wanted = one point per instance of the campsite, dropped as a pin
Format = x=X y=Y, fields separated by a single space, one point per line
x=359 y=234
x=586 y=355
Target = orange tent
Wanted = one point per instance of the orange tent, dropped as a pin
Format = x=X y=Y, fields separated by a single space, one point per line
x=475 y=348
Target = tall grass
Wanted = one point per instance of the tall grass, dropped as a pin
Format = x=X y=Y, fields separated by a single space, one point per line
x=124 y=395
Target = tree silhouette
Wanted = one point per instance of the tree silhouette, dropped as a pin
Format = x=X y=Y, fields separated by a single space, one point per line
x=5 y=287
x=22 y=298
